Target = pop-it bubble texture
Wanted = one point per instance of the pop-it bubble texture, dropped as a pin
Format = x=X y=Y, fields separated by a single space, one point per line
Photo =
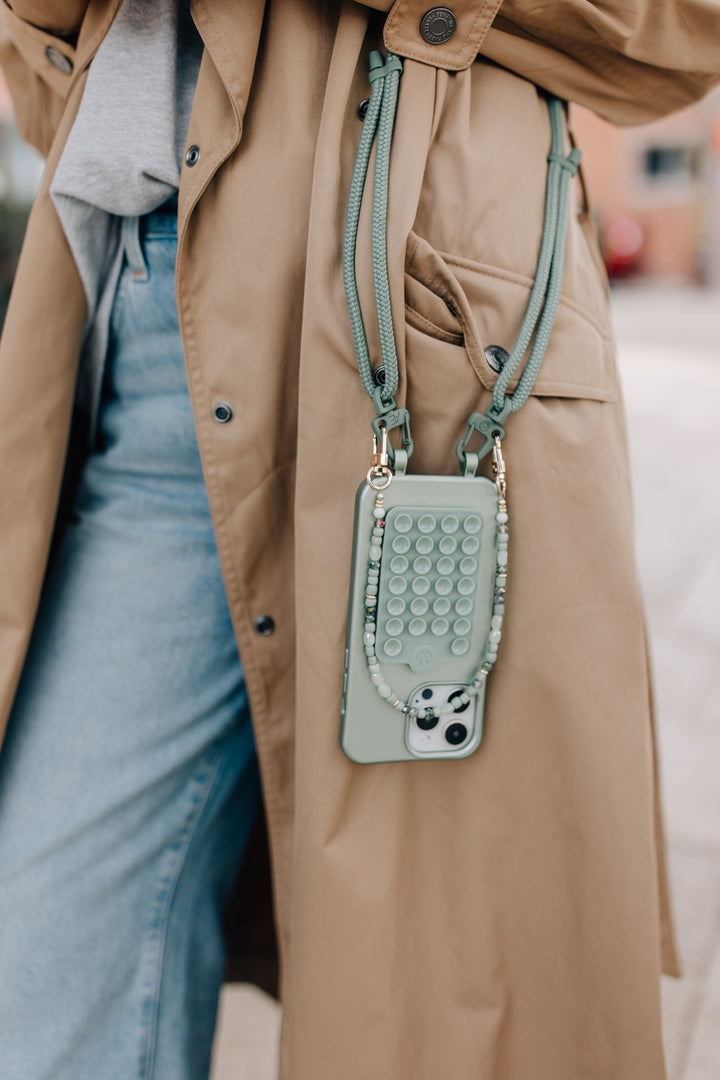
x=428 y=586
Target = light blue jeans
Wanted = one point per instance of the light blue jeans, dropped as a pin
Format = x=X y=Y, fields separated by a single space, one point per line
x=129 y=778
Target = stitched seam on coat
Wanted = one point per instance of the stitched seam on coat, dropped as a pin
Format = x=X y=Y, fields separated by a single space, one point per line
x=449 y=336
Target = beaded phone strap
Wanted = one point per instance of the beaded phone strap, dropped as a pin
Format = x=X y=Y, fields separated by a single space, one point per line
x=490 y=654
x=539 y=319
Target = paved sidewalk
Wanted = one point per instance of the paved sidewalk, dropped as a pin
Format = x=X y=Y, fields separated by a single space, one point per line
x=670 y=360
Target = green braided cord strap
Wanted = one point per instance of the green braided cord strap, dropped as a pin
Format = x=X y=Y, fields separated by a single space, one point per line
x=391 y=78
x=547 y=320
x=357 y=187
x=384 y=80
x=542 y=272
x=544 y=297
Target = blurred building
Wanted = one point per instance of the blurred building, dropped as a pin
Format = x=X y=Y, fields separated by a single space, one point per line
x=656 y=192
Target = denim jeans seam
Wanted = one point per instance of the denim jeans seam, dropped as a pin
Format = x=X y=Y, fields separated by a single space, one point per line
x=204 y=783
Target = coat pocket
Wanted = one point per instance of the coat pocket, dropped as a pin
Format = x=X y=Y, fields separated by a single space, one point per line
x=447 y=296
x=454 y=310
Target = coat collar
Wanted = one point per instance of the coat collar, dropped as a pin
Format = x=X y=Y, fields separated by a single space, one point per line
x=231 y=34
x=98 y=20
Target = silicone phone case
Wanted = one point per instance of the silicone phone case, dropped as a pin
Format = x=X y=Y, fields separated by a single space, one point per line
x=437 y=574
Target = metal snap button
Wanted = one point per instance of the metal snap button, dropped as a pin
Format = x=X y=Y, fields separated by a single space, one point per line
x=192 y=156
x=438 y=25
x=379 y=375
x=497 y=357
x=264 y=625
x=59 y=60
x=222 y=412
x=363 y=108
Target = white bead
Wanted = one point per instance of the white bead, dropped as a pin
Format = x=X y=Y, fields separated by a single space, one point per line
x=377 y=678
x=384 y=690
x=379 y=513
x=371 y=590
x=373 y=668
x=501 y=517
x=369 y=639
x=496 y=622
x=502 y=558
x=375 y=552
x=494 y=637
x=369 y=627
x=445 y=709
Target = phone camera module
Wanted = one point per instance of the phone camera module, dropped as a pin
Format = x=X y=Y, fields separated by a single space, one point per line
x=456 y=733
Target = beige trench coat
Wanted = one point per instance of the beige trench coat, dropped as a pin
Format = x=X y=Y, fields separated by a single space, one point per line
x=502 y=917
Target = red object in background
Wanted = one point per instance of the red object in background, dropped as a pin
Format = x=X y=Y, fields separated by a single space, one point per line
x=715 y=136
x=622 y=242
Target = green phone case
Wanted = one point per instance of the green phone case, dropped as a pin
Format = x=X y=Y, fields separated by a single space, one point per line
x=434 y=606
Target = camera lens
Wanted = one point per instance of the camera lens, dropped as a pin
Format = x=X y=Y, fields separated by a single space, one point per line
x=427 y=693
x=426 y=723
x=456 y=733
x=456 y=694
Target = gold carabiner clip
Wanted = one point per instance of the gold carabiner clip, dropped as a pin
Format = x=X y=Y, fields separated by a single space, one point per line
x=499 y=470
x=380 y=474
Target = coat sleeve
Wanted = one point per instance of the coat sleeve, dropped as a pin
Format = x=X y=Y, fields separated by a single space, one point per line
x=631 y=61
x=37 y=55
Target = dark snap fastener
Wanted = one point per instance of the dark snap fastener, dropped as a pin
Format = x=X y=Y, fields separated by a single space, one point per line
x=59 y=60
x=264 y=625
x=363 y=108
x=438 y=25
x=192 y=156
x=222 y=412
x=379 y=375
x=497 y=357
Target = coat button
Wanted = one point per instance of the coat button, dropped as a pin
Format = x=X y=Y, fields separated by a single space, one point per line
x=438 y=25
x=497 y=357
x=192 y=156
x=264 y=625
x=59 y=60
x=222 y=412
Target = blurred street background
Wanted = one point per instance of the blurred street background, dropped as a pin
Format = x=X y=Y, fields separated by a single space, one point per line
x=655 y=193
